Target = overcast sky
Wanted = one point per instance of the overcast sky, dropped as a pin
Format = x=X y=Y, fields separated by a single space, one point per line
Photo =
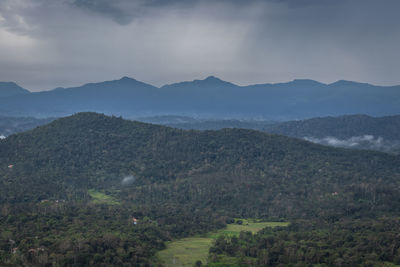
x=49 y=43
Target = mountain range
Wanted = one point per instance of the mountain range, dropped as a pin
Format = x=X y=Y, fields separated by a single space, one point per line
x=208 y=98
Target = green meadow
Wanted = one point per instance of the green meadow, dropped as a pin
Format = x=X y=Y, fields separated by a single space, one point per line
x=186 y=251
x=101 y=198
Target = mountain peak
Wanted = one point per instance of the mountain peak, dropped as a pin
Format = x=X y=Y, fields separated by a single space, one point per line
x=307 y=82
x=209 y=82
x=11 y=89
x=126 y=79
x=348 y=83
x=212 y=78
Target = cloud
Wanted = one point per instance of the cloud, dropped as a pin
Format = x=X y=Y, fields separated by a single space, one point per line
x=125 y=11
x=307 y=3
x=359 y=142
x=122 y=12
x=128 y=180
x=50 y=43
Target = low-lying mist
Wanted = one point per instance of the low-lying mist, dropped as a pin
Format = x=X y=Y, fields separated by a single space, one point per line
x=128 y=180
x=358 y=142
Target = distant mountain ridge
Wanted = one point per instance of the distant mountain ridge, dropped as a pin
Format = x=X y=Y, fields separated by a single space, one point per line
x=208 y=98
x=11 y=89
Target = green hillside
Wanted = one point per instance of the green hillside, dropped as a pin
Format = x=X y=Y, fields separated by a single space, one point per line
x=77 y=182
x=245 y=172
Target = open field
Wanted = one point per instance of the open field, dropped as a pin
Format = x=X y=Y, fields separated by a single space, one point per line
x=186 y=251
x=101 y=198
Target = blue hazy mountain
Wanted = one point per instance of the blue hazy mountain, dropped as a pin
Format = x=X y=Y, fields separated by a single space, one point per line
x=210 y=98
x=11 y=89
x=124 y=96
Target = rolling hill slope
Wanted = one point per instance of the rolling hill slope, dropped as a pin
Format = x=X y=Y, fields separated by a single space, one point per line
x=351 y=131
x=241 y=172
x=69 y=191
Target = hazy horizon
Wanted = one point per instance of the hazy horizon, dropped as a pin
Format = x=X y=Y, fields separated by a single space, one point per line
x=46 y=44
x=199 y=79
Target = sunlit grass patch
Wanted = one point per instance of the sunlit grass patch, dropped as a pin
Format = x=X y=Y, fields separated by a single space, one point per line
x=101 y=198
x=186 y=251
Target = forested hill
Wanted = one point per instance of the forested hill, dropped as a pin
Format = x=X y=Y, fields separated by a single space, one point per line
x=342 y=127
x=356 y=131
x=352 y=131
x=235 y=171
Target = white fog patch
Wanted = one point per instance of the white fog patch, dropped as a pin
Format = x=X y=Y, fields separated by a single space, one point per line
x=127 y=180
x=2 y=137
x=362 y=142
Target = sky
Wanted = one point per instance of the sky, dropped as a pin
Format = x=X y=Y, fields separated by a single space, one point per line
x=46 y=44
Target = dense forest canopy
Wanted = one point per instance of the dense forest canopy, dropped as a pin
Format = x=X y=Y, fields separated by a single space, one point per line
x=351 y=131
x=175 y=182
x=71 y=155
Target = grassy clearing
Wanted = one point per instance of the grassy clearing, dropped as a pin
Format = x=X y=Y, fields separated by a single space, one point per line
x=186 y=251
x=248 y=225
x=101 y=198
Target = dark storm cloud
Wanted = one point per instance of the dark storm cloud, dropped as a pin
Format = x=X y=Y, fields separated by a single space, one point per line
x=51 y=43
x=108 y=8
x=125 y=11
x=307 y=3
